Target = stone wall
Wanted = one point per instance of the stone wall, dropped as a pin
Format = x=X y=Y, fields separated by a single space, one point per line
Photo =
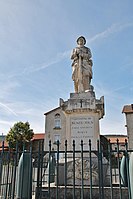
x=95 y=193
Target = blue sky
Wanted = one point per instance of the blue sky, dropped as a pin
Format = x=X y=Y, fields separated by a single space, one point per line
x=36 y=40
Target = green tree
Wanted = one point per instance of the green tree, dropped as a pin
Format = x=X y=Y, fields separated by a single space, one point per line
x=20 y=133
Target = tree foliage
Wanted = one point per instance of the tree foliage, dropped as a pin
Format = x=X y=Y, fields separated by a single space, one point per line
x=20 y=133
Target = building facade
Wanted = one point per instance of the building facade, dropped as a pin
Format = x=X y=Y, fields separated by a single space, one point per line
x=128 y=110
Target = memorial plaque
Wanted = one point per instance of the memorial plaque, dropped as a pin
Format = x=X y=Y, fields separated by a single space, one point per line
x=82 y=128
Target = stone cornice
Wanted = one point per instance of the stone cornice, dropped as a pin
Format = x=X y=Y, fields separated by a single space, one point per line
x=80 y=110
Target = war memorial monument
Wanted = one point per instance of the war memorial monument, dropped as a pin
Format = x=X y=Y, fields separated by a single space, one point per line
x=78 y=117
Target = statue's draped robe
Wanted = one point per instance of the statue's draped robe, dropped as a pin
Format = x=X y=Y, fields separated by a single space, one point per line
x=81 y=68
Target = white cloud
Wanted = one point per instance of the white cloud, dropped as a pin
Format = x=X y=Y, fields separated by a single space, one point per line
x=4 y=122
x=24 y=111
x=7 y=87
x=5 y=126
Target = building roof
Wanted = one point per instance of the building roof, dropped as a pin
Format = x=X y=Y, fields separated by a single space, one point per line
x=114 y=138
x=5 y=145
x=52 y=110
x=128 y=109
x=120 y=140
x=38 y=136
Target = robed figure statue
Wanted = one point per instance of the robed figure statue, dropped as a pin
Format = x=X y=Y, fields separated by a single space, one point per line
x=81 y=66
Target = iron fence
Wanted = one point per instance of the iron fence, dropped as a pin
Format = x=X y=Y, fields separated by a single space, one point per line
x=57 y=174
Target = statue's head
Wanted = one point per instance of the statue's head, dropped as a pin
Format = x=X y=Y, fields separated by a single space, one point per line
x=81 y=41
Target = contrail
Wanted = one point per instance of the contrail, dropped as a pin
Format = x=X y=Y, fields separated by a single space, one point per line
x=8 y=109
x=112 y=29
x=57 y=59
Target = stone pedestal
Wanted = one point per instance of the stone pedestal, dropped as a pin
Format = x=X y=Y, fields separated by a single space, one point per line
x=83 y=112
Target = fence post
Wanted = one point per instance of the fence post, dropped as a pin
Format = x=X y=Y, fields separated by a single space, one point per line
x=49 y=169
x=99 y=169
x=1 y=164
x=82 y=171
x=57 y=170
x=15 y=170
x=65 y=194
x=110 y=166
x=73 y=169
x=24 y=177
x=90 y=169
x=118 y=161
x=127 y=166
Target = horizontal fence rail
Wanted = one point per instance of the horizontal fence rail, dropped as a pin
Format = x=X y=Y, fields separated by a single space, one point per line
x=70 y=174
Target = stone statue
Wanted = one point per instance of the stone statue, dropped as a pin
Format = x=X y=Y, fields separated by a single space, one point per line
x=81 y=66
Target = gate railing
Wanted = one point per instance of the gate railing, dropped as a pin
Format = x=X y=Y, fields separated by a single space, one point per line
x=101 y=173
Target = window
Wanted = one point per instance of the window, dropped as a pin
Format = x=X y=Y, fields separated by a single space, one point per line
x=56 y=138
x=57 y=121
